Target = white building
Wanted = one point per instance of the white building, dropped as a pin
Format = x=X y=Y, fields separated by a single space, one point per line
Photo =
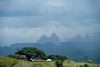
x=31 y=59
x=48 y=60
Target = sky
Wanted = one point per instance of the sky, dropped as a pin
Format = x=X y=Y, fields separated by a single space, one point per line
x=25 y=21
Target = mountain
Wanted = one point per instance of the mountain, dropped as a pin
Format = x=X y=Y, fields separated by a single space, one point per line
x=73 y=50
x=5 y=51
x=87 y=38
x=43 y=39
x=77 y=38
x=53 y=38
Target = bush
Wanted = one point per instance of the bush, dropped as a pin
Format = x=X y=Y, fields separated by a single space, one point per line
x=45 y=57
x=59 y=64
x=89 y=61
x=86 y=65
x=57 y=57
x=17 y=56
x=14 y=62
x=7 y=62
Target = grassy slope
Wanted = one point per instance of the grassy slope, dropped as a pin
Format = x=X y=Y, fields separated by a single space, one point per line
x=8 y=62
x=78 y=64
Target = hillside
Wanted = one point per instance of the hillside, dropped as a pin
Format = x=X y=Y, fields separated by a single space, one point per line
x=8 y=62
x=75 y=51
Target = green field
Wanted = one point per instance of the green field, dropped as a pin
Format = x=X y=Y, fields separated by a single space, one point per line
x=8 y=62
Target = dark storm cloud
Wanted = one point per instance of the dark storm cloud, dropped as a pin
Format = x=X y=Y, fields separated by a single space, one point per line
x=34 y=13
x=33 y=18
x=23 y=22
x=20 y=7
x=53 y=8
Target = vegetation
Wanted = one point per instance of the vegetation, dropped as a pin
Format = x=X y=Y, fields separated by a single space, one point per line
x=89 y=61
x=17 y=56
x=57 y=57
x=7 y=62
x=59 y=64
x=10 y=62
x=18 y=60
x=86 y=65
x=31 y=52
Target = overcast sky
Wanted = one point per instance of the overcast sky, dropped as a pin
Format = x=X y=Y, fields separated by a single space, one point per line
x=27 y=20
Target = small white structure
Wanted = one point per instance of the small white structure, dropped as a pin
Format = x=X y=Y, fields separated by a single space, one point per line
x=31 y=59
x=48 y=60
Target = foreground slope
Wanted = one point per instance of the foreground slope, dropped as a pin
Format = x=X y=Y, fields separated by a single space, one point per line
x=8 y=62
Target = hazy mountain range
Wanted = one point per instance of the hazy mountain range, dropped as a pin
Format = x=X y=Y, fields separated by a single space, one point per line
x=73 y=50
x=87 y=38
x=77 y=47
x=53 y=38
x=78 y=38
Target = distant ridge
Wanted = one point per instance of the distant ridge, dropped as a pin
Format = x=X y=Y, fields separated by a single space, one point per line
x=73 y=50
x=87 y=38
x=53 y=38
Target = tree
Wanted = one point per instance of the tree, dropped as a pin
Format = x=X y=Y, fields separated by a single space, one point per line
x=31 y=52
x=45 y=58
x=86 y=65
x=63 y=58
x=59 y=64
x=57 y=57
x=89 y=61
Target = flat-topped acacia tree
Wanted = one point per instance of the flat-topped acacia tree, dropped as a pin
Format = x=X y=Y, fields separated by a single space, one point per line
x=31 y=52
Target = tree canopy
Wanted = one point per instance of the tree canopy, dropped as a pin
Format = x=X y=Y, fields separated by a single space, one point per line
x=57 y=57
x=31 y=52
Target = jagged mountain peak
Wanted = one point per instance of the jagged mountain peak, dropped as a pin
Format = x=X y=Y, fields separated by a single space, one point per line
x=42 y=39
x=53 y=35
x=77 y=36
x=44 y=36
x=53 y=38
x=87 y=38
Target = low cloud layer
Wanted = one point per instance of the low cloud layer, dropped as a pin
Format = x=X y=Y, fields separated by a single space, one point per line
x=27 y=20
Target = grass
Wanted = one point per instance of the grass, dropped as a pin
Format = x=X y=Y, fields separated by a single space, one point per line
x=8 y=62
x=78 y=64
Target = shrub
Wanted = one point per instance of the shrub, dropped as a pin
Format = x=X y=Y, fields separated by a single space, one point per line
x=14 y=62
x=59 y=64
x=57 y=57
x=45 y=57
x=89 y=61
x=86 y=65
x=17 y=56
x=7 y=62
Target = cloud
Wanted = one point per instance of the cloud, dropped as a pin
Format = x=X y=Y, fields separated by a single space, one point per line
x=20 y=7
x=31 y=35
x=22 y=22
x=90 y=21
x=29 y=19
x=71 y=9
x=55 y=3
x=67 y=8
